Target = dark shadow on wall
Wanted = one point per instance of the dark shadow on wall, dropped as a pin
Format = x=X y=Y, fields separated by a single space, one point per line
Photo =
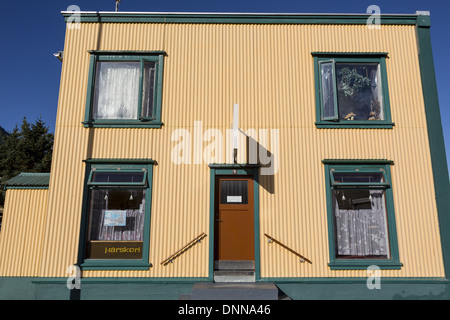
x=258 y=154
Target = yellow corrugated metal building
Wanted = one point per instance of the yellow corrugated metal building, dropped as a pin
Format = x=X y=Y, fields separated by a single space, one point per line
x=287 y=75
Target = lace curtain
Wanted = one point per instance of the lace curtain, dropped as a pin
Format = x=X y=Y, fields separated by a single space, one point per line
x=362 y=232
x=116 y=90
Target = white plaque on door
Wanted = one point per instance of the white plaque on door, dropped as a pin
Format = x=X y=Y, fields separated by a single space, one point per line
x=234 y=199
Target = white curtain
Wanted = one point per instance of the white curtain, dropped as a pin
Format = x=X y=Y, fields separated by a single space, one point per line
x=362 y=232
x=116 y=90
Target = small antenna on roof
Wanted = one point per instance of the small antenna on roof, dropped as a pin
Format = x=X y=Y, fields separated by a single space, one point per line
x=117 y=5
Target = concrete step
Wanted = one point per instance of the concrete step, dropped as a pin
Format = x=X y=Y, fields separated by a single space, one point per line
x=234 y=291
x=234 y=276
x=233 y=265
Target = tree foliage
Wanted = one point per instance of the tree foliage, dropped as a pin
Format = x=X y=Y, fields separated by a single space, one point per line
x=28 y=148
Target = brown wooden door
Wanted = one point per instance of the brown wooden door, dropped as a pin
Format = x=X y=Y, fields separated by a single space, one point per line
x=234 y=219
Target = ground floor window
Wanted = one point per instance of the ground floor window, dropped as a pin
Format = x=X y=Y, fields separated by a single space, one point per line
x=361 y=215
x=116 y=224
x=117 y=215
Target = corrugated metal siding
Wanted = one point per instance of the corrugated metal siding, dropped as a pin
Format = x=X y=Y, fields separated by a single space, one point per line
x=22 y=232
x=268 y=70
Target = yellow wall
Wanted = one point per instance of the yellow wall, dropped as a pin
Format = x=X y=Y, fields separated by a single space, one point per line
x=22 y=232
x=268 y=70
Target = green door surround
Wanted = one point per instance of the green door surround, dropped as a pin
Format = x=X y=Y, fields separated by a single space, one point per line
x=234 y=170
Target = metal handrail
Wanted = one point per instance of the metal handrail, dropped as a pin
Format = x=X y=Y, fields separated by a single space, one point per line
x=186 y=247
x=302 y=258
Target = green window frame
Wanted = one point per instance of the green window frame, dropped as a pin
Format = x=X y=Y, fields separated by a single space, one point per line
x=141 y=121
x=382 y=167
x=332 y=120
x=143 y=170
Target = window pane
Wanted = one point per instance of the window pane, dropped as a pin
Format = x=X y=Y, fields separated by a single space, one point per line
x=328 y=102
x=360 y=224
x=116 y=90
x=148 y=90
x=116 y=224
x=234 y=192
x=118 y=177
x=358 y=177
x=359 y=91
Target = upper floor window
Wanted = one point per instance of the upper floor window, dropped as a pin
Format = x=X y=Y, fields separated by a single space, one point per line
x=351 y=91
x=124 y=90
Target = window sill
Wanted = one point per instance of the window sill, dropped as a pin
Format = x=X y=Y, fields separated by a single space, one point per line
x=115 y=265
x=354 y=125
x=365 y=264
x=122 y=124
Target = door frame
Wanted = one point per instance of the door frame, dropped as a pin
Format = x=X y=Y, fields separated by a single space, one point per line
x=251 y=170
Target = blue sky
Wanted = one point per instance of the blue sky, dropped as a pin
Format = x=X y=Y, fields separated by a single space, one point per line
x=31 y=31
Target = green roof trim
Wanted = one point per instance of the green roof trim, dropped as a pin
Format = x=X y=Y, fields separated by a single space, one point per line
x=27 y=180
x=240 y=18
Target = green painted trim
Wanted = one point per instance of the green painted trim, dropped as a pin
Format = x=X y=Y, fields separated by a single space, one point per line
x=233 y=165
x=370 y=162
x=393 y=263
x=140 y=264
x=355 y=280
x=234 y=170
x=244 y=18
x=435 y=136
x=354 y=265
x=136 y=124
x=115 y=265
x=159 y=89
x=423 y=21
x=90 y=89
x=26 y=188
x=349 y=54
x=347 y=57
x=121 y=161
x=212 y=193
x=124 y=280
x=137 y=56
x=127 y=52
x=354 y=125
x=149 y=280
x=20 y=288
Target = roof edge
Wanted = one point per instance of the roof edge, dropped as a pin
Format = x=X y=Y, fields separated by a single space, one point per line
x=28 y=180
x=239 y=18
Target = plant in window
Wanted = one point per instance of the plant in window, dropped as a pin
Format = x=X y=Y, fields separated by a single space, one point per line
x=357 y=92
x=350 y=81
x=352 y=91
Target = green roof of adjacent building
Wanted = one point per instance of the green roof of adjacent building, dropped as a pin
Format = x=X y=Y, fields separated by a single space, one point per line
x=28 y=181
